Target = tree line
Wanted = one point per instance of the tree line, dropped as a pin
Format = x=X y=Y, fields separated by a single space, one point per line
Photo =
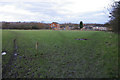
x=38 y=25
x=24 y=25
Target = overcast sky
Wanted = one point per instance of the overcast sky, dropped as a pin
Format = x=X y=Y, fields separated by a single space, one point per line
x=61 y=11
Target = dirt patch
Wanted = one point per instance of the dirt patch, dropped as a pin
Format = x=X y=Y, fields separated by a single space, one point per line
x=81 y=39
x=13 y=57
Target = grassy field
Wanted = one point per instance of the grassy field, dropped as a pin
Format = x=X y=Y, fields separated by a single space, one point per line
x=59 y=55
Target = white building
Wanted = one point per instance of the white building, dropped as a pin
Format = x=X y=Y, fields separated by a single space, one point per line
x=100 y=28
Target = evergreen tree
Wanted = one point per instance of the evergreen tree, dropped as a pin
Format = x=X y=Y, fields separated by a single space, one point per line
x=81 y=25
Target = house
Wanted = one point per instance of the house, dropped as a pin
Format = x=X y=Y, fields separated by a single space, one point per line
x=55 y=26
x=100 y=28
x=86 y=27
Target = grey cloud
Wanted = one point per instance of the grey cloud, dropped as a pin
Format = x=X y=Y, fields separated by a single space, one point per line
x=47 y=8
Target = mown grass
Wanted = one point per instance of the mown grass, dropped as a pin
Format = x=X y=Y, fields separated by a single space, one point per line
x=59 y=55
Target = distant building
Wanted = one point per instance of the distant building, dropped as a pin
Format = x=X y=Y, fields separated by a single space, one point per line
x=100 y=28
x=55 y=26
x=67 y=28
x=87 y=27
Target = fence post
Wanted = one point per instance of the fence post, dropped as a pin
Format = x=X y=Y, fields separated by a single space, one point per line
x=36 y=45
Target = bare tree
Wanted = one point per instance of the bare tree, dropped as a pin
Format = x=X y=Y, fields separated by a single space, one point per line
x=115 y=16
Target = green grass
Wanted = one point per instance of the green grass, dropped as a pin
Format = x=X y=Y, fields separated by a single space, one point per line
x=59 y=55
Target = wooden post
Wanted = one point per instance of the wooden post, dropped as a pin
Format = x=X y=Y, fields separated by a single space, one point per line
x=36 y=45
